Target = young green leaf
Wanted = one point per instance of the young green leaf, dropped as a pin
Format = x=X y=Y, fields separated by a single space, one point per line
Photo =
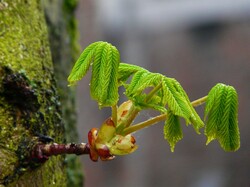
x=229 y=131
x=104 y=83
x=214 y=111
x=221 y=117
x=126 y=70
x=105 y=60
x=142 y=80
x=176 y=102
x=82 y=64
x=170 y=92
x=194 y=118
x=172 y=130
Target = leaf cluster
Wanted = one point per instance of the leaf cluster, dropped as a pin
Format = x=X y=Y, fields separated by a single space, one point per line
x=149 y=90
x=166 y=95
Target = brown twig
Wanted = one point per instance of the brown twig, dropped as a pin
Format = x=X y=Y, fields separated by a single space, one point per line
x=42 y=152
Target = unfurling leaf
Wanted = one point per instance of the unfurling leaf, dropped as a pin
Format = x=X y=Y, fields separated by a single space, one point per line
x=142 y=80
x=105 y=60
x=172 y=130
x=169 y=93
x=194 y=119
x=126 y=70
x=147 y=90
x=221 y=117
x=176 y=102
x=82 y=64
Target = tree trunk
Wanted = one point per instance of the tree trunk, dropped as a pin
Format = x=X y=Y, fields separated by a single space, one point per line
x=63 y=39
x=29 y=104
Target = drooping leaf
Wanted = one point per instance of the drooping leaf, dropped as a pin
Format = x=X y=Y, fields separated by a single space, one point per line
x=176 y=102
x=105 y=60
x=229 y=137
x=100 y=58
x=214 y=96
x=221 y=117
x=104 y=83
x=172 y=130
x=214 y=111
x=195 y=119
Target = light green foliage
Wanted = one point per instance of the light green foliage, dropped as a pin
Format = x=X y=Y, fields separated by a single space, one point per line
x=126 y=70
x=142 y=80
x=105 y=60
x=169 y=93
x=172 y=130
x=221 y=117
x=177 y=103
x=194 y=118
x=147 y=90
x=82 y=64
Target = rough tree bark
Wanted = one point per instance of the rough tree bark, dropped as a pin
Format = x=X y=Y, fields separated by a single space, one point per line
x=30 y=109
x=63 y=39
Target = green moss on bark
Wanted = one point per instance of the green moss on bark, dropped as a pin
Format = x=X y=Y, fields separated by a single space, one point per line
x=63 y=36
x=25 y=60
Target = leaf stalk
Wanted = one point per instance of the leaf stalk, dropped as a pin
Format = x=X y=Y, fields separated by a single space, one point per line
x=114 y=114
x=158 y=118
x=152 y=92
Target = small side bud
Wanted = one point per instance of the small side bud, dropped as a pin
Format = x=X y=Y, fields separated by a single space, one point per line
x=104 y=152
x=92 y=135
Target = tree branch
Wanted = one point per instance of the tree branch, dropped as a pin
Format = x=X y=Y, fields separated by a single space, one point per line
x=42 y=152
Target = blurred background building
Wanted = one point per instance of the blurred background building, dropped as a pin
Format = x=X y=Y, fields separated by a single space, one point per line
x=200 y=43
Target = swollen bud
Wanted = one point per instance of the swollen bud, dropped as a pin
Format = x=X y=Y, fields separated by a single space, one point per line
x=106 y=132
x=105 y=143
x=122 y=111
x=98 y=149
x=122 y=145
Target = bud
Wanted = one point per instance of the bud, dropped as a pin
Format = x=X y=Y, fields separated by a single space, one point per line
x=92 y=135
x=105 y=143
x=122 y=111
x=122 y=145
x=106 y=132
x=104 y=152
x=98 y=149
